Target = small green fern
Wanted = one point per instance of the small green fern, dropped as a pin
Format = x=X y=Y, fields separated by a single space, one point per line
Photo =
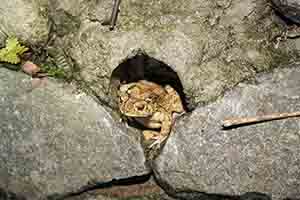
x=12 y=51
x=53 y=71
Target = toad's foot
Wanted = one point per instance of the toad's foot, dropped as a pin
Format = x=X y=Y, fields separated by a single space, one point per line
x=154 y=135
x=150 y=135
x=159 y=140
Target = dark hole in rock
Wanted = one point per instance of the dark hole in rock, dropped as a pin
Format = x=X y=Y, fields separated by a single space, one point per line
x=144 y=67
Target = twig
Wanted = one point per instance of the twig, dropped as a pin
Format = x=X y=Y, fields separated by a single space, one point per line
x=232 y=122
x=114 y=14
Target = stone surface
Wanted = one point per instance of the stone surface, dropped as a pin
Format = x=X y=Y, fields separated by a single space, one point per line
x=211 y=45
x=54 y=141
x=25 y=19
x=289 y=8
x=199 y=156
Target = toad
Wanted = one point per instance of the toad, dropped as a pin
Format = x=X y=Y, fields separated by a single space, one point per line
x=152 y=106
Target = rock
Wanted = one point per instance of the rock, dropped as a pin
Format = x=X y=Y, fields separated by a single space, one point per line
x=25 y=19
x=199 y=156
x=55 y=142
x=2 y=39
x=211 y=46
x=289 y=9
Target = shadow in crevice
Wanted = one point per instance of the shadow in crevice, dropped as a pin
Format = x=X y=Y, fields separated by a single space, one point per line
x=102 y=185
x=8 y=195
x=291 y=15
x=206 y=196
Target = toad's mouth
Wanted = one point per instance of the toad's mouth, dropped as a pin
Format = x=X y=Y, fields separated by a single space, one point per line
x=137 y=115
x=137 y=109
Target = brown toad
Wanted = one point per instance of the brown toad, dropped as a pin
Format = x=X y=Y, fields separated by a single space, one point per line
x=152 y=106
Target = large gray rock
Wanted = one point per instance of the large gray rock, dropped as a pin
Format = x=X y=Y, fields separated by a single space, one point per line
x=199 y=156
x=26 y=19
x=54 y=141
x=211 y=45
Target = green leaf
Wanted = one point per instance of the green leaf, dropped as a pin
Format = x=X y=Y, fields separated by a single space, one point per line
x=12 y=51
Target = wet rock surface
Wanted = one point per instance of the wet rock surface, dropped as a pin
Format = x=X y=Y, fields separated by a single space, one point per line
x=199 y=156
x=54 y=141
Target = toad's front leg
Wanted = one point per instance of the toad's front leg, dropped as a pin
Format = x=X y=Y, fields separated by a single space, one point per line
x=166 y=124
x=153 y=122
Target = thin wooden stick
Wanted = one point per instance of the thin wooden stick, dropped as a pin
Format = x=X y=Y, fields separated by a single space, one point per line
x=227 y=123
x=114 y=14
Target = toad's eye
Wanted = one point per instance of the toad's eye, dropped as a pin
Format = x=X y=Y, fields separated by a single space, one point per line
x=140 y=107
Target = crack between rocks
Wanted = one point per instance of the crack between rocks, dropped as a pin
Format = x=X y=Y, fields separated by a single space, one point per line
x=94 y=185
